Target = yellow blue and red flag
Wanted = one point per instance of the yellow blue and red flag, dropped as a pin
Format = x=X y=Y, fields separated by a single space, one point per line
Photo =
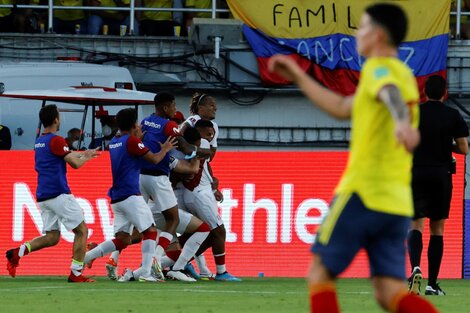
x=319 y=34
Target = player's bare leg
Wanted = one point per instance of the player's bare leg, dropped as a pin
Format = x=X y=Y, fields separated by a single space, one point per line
x=51 y=238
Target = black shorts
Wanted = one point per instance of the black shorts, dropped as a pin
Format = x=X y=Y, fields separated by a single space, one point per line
x=432 y=192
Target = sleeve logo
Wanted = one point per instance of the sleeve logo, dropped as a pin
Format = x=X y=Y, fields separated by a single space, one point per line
x=141 y=145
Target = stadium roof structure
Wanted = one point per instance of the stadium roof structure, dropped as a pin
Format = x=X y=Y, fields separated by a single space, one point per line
x=87 y=97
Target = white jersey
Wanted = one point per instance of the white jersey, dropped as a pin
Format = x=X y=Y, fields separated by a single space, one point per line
x=206 y=178
x=192 y=121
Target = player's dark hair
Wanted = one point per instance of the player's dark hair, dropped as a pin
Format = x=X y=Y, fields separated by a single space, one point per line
x=199 y=99
x=126 y=119
x=162 y=99
x=191 y=135
x=435 y=87
x=48 y=114
x=203 y=124
x=392 y=18
x=73 y=130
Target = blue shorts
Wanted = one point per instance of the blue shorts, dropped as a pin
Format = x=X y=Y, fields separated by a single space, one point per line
x=350 y=226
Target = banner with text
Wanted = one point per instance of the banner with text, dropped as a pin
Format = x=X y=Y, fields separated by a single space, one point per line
x=319 y=34
x=274 y=203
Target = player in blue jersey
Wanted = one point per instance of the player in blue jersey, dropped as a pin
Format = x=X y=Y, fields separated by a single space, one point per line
x=57 y=204
x=130 y=210
x=154 y=179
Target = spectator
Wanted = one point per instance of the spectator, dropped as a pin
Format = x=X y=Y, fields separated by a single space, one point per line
x=65 y=21
x=5 y=138
x=109 y=129
x=113 y=19
x=73 y=139
x=12 y=20
x=203 y=4
x=464 y=21
x=154 y=23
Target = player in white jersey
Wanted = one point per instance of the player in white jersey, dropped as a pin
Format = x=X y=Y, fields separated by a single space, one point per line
x=203 y=107
x=200 y=200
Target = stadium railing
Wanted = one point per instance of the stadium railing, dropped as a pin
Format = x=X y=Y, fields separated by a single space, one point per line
x=132 y=9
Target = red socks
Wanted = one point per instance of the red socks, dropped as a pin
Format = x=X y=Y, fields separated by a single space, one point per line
x=323 y=298
x=410 y=303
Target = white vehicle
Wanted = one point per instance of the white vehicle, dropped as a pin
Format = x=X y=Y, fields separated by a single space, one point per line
x=85 y=97
x=21 y=115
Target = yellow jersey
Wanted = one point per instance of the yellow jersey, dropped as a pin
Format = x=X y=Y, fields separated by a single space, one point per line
x=69 y=15
x=379 y=168
x=200 y=4
x=5 y=11
x=157 y=16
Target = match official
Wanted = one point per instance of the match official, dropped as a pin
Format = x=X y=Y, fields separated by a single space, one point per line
x=443 y=131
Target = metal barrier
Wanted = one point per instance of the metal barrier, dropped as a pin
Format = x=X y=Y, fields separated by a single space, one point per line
x=132 y=9
x=214 y=10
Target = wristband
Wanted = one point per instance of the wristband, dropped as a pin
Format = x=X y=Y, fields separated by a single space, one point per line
x=192 y=155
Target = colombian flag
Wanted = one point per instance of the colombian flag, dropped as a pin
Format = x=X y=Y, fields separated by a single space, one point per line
x=319 y=34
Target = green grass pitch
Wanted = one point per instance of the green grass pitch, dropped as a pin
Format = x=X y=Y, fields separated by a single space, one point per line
x=270 y=295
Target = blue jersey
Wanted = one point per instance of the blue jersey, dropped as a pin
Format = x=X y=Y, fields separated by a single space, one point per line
x=49 y=153
x=125 y=152
x=157 y=129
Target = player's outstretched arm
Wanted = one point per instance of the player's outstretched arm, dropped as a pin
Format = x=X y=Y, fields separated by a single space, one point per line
x=78 y=159
x=192 y=151
x=155 y=158
x=334 y=104
x=408 y=136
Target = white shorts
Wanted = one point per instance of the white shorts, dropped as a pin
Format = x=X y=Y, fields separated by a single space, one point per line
x=64 y=209
x=159 y=188
x=179 y=194
x=185 y=219
x=132 y=211
x=202 y=203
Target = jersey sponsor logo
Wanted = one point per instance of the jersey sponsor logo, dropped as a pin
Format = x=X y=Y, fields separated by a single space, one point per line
x=381 y=72
x=40 y=145
x=115 y=145
x=152 y=124
x=141 y=145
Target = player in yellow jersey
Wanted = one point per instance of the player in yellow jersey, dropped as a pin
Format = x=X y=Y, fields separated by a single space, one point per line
x=373 y=202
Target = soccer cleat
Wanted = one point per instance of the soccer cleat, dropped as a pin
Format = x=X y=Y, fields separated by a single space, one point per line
x=91 y=246
x=434 y=291
x=189 y=268
x=150 y=279
x=126 y=276
x=414 y=281
x=226 y=277
x=206 y=276
x=13 y=261
x=111 y=269
x=156 y=270
x=179 y=275
x=79 y=279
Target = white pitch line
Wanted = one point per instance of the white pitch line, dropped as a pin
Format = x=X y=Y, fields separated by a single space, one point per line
x=196 y=289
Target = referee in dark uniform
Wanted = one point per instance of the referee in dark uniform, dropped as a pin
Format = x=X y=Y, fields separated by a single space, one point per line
x=443 y=131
